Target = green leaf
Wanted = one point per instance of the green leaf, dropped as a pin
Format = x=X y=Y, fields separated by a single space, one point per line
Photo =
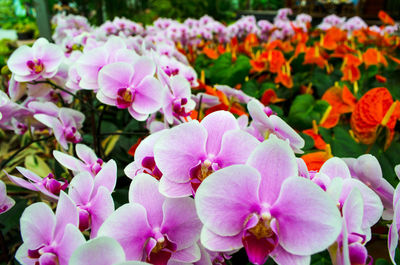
x=37 y=165
x=304 y=110
x=251 y=89
x=321 y=258
x=224 y=71
x=343 y=145
x=10 y=219
x=309 y=141
x=321 y=81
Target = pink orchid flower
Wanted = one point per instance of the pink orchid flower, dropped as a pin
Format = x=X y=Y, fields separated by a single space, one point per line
x=393 y=236
x=144 y=158
x=189 y=152
x=49 y=239
x=49 y=186
x=366 y=168
x=101 y=251
x=88 y=160
x=131 y=86
x=267 y=208
x=6 y=203
x=39 y=61
x=152 y=227
x=177 y=102
x=65 y=126
x=268 y=123
x=93 y=197
x=91 y=62
x=351 y=242
x=339 y=183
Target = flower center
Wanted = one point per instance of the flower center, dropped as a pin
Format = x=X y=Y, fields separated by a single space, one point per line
x=178 y=107
x=201 y=172
x=53 y=185
x=35 y=65
x=96 y=167
x=84 y=219
x=149 y=164
x=125 y=97
x=260 y=240
x=72 y=135
x=161 y=251
x=35 y=254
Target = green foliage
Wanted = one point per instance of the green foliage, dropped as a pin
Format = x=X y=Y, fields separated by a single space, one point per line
x=224 y=71
x=6 y=11
x=304 y=110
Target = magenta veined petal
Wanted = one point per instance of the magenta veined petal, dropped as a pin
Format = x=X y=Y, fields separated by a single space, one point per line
x=307 y=218
x=275 y=161
x=227 y=197
x=217 y=124
x=37 y=225
x=144 y=190
x=179 y=150
x=335 y=168
x=183 y=230
x=129 y=226
x=219 y=243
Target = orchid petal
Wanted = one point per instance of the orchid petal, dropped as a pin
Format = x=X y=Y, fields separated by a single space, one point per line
x=335 y=168
x=129 y=226
x=221 y=207
x=183 y=230
x=99 y=251
x=37 y=225
x=275 y=161
x=216 y=124
x=314 y=218
x=219 y=243
x=179 y=150
x=144 y=190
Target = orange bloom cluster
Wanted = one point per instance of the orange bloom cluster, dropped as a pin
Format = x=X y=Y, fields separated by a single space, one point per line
x=374 y=110
x=341 y=100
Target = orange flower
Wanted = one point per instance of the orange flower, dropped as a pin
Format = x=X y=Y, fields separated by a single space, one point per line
x=376 y=108
x=133 y=148
x=300 y=48
x=380 y=78
x=269 y=96
x=314 y=161
x=280 y=45
x=334 y=37
x=314 y=56
x=351 y=73
x=341 y=51
x=373 y=57
x=276 y=60
x=319 y=143
x=385 y=18
x=341 y=100
x=284 y=76
x=212 y=54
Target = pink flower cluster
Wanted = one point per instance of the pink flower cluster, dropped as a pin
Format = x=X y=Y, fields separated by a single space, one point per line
x=200 y=190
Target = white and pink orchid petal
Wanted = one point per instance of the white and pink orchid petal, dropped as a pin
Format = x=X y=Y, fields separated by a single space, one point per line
x=179 y=150
x=275 y=161
x=129 y=226
x=314 y=218
x=144 y=190
x=99 y=251
x=223 y=208
x=217 y=124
